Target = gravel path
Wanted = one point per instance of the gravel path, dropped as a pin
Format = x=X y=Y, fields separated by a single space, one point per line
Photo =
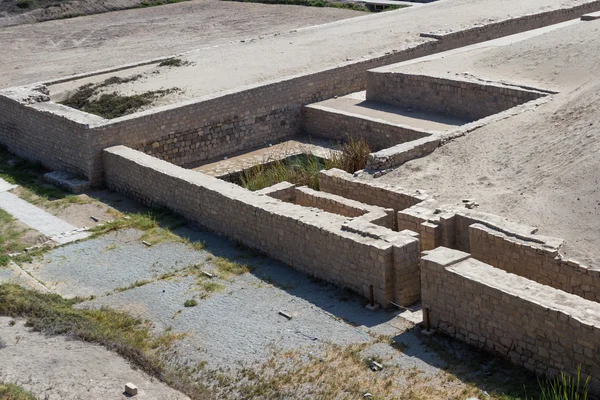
x=112 y=261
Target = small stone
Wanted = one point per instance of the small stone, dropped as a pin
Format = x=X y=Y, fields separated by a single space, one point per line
x=131 y=389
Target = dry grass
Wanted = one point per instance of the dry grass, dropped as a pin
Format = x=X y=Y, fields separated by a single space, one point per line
x=344 y=373
x=353 y=156
x=10 y=391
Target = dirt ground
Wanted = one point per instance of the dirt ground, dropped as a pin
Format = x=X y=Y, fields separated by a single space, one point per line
x=56 y=368
x=266 y=59
x=539 y=167
x=52 y=49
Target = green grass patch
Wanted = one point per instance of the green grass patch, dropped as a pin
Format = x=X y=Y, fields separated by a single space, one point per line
x=304 y=169
x=565 y=387
x=10 y=237
x=228 y=268
x=300 y=170
x=190 y=303
x=112 y=105
x=10 y=391
x=27 y=175
x=211 y=287
x=23 y=4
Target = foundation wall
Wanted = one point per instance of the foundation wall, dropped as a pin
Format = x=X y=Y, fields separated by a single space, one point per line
x=343 y=184
x=541 y=328
x=311 y=241
x=55 y=141
x=459 y=98
x=338 y=125
x=533 y=261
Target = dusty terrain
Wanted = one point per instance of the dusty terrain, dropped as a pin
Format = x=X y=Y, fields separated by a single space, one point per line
x=56 y=368
x=54 y=49
x=539 y=167
x=232 y=65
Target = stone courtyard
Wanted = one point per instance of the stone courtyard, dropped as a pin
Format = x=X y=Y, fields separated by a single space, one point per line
x=470 y=225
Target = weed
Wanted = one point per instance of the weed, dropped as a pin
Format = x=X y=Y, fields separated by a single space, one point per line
x=353 y=156
x=10 y=391
x=190 y=303
x=112 y=105
x=133 y=285
x=228 y=268
x=565 y=387
x=211 y=287
x=173 y=62
x=25 y=3
x=300 y=170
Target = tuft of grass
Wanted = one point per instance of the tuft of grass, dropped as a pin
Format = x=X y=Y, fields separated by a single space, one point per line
x=353 y=156
x=190 y=303
x=10 y=391
x=228 y=268
x=141 y=221
x=300 y=170
x=10 y=237
x=173 y=62
x=565 y=387
x=22 y=4
x=134 y=285
x=211 y=286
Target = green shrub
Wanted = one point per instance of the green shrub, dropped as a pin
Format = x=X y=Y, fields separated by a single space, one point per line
x=190 y=303
x=565 y=387
x=25 y=3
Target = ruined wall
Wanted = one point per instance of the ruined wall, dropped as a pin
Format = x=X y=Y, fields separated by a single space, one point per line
x=533 y=261
x=45 y=136
x=459 y=98
x=312 y=241
x=541 y=328
x=343 y=184
x=339 y=125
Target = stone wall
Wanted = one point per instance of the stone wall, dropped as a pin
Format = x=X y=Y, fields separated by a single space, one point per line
x=533 y=261
x=459 y=98
x=541 y=328
x=310 y=240
x=372 y=192
x=42 y=134
x=339 y=125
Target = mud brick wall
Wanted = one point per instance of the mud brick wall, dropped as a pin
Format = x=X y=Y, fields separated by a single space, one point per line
x=311 y=241
x=533 y=261
x=459 y=98
x=541 y=328
x=339 y=125
x=343 y=184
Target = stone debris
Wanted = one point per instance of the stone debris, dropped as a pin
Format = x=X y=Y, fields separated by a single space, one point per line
x=131 y=389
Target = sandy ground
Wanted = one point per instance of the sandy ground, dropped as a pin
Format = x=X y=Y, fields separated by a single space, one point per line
x=540 y=167
x=239 y=64
x=56 y=368
x=32 y=53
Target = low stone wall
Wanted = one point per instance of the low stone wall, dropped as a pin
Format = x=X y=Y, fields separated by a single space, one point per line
x=310 y=240
x=339 y=125
x=41 y=133
x=533 y=261
x=456 y=97
x=541 y=328
x=343 y=184
x=399 y=154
